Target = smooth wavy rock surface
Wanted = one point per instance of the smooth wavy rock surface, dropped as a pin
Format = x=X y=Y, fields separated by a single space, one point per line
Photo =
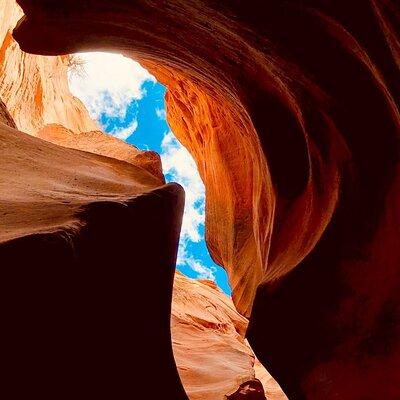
x=69 y=222
x=35 y=89
x=208 y=337
x=291 y=110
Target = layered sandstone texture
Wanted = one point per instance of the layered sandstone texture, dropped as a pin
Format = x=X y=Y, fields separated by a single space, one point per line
x=208 y=336
x=35 y=89
x=291 y=110
x=70 y=218
x=100 y=143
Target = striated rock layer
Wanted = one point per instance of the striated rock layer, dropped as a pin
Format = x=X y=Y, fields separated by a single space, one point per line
x=69 y=321
x=291 y=110
x=99 y=142
x=214 y=360
x=70 y=222
x=35 y=89
x=71 y=218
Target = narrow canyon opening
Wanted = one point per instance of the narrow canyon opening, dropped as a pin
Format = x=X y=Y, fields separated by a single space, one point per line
x=128 y=103
x=80 y=108
x=291 y=113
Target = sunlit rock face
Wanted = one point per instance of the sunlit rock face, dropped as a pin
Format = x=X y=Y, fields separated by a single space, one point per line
x=35 y=89
x=214 y=360
x=70 y=221
x=35 y=92
x=291 y=112
x=75 y=206
x=99 y=142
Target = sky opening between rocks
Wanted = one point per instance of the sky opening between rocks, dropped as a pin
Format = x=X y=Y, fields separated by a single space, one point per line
x=128 y=103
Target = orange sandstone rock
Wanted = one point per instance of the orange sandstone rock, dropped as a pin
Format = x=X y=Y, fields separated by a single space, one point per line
x=210 y=349
x=100 y=143
x=291 y=110
x=35 y=89
x=49 y=202
x=66 y=233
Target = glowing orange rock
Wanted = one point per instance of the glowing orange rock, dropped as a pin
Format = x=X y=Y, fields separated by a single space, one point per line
x=35 y=89
x=210 y=350
x=291 y=110
x=100 y=143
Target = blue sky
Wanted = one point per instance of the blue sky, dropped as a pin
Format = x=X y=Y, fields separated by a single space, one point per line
x=129 y=103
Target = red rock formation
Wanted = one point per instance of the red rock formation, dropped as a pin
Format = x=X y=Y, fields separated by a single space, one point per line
x=214 y=360
x=35 y=89
x=69 y=283
x=70 y=212
x=100 y=143
x=50 y=217
x=291 y=111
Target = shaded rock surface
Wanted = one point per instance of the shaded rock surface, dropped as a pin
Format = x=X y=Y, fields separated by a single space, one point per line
x=291 y=110
x=70 y=221
x=68 y=289
x=5 y=116
x=252 y=390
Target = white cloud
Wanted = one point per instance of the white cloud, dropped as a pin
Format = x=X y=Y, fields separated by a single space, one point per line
x=108 y=84
x=202 y=271
x=124 y=133
x=179 y=166
x=160 y=112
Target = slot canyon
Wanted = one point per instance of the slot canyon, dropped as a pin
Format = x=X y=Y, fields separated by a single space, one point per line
x=290 y=110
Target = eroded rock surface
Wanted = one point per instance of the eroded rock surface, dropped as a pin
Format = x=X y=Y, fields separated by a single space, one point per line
x=35 y=89
x=101 y=143
x=214 y=360
x=70 y=221
x=71 y=216
x=291 y=110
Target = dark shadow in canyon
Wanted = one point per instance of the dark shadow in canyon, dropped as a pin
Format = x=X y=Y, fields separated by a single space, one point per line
x=88 y=314
x=319 y=77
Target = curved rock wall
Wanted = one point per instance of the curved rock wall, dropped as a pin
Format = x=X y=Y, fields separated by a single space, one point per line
x=58 y=213
x=35 y=89
x=291 y=112
x=213 y=358
x=66 y=232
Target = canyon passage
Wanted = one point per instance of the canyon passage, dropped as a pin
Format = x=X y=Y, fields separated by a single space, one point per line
x=291 y=113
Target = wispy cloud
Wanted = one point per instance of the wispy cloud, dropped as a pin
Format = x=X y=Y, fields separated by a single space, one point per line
x=179 y=166
x=124 y=133
x=109 y=83
x=202 y=271
x=160 y=112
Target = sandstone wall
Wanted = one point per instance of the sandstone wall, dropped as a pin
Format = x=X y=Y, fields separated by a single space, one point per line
x=35 y=89
x=291 y=110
